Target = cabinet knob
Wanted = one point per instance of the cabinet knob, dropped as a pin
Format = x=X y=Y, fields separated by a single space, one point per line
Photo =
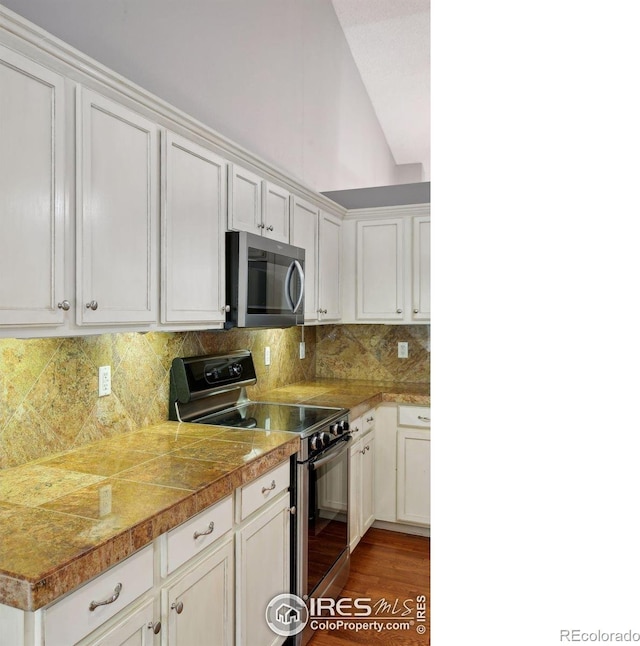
x=398 y=311
x=93 y=305
x=292 y=510
x=416 y=311
x=178 y=607
x=226 y=308
x=156 y=627
x=65 y=305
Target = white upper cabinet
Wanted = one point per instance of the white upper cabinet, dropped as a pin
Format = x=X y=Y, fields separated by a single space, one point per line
x=380 y=269
x=257 y=206
x=387 y=274
x=275 y=204
x=245 y=200
x=329 y=267
x=304 y=233
x=117 y=213
x=32 y=201
x=193 y=226
x=421 y=306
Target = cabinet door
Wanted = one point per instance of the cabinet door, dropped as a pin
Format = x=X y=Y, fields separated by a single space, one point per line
x=385 y=462
x=421 y=268
x=329 y=267
x=355 y=477
x=245 y=201
x=32 y=202
x=198 y=606
x=275 y=202
x=262 y=561
x=367 y=485
x=134 y=629
x=193 y=242
x=414 y=475
x=304 y=233
x=117 y=213
x=380 y=274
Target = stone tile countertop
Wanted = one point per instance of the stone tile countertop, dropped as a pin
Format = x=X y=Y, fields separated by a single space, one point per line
x=56 y=535
x=356 y=395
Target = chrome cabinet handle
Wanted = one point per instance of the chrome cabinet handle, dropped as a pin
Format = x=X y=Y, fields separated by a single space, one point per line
x=366 y=448
x=116 y=593
x=261 y=226
x=322 y=311
x=155 y=627
x=270 y=228
x=206 y=532
x=271 y=488
x=65 y=305
x=93 y=305
x=355 y=429
x=424 y=419
x=178 y=607
x=369 y=419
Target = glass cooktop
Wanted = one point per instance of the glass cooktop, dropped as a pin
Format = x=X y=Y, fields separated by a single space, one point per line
x=274 y=417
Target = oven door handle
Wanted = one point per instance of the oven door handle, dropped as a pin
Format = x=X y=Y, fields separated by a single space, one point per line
x=331 y=455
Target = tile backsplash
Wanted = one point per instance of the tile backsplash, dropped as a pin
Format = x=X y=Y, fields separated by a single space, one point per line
x=48 y=387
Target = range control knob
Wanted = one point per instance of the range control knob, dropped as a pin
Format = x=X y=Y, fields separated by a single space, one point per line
x=325 y=439
x=315 y=442
x=335 y=429
x=235 y=369
x=345 y=425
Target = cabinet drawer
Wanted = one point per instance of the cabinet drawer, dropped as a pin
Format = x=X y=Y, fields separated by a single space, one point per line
x=255 y=494
x=368 y=421
x=199 y=532
x=70 y=619
x=419 y=416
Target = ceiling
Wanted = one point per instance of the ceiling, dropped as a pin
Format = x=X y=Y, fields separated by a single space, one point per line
x=390 y=43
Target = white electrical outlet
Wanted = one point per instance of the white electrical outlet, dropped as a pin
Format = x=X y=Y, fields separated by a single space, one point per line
x=403 y=350
x=104 y=381
x=302 y=350
x=267 y=356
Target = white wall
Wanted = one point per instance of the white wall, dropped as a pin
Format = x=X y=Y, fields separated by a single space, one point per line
x=275 y=76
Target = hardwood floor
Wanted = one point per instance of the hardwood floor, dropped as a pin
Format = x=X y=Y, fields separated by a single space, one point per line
x=386 y=566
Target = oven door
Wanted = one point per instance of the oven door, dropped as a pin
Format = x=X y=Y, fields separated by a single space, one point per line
x=327 y=513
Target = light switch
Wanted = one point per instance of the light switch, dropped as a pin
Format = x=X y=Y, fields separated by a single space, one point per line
x=104 y=381
x=267 y=356
x=403 y=350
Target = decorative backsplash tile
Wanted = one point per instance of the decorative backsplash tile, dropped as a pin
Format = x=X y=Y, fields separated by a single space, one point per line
x=49 y=387
x=371 y=352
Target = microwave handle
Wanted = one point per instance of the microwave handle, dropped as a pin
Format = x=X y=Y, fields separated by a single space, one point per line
x=287 y=291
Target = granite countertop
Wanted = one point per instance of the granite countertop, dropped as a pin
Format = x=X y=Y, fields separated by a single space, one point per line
x=54 y=535
x=357 y=395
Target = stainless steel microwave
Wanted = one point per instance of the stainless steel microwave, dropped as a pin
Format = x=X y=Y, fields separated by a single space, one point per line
x=265 y=282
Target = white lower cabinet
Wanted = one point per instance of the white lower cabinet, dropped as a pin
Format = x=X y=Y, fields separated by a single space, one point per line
x=262 y=563
x=403 y=465
x=361 y=478
x=414 y=458
x=136 y=628
x=197 y=606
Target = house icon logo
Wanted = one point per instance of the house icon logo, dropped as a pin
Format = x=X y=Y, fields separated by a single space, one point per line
x=287 y=615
